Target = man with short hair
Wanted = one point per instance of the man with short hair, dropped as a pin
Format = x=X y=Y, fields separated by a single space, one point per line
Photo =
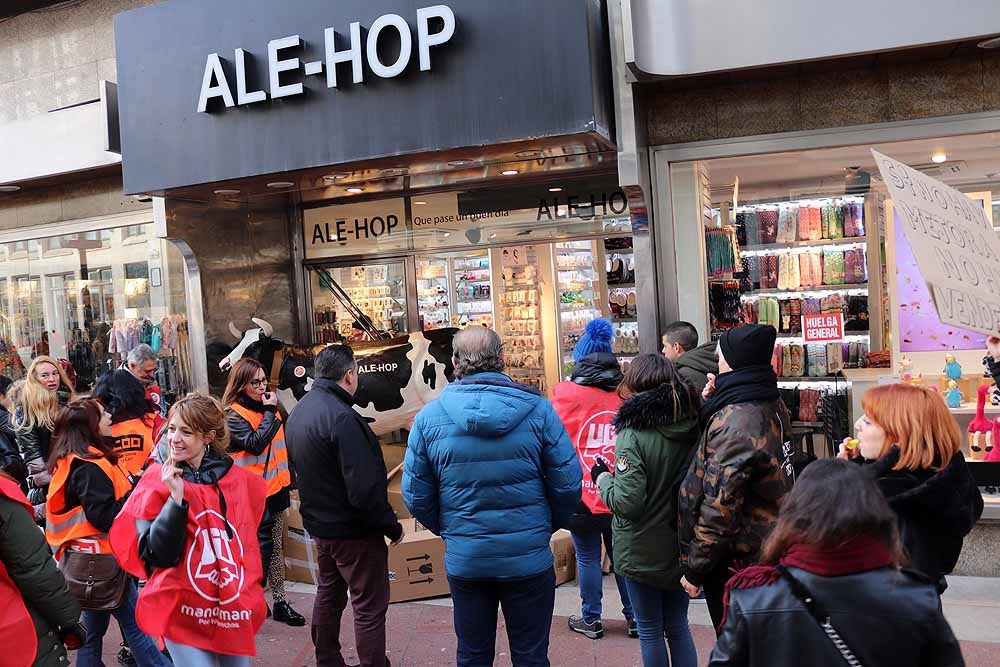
x=345 y=508
x=694 y=362
x=143 y=363
x=490 y=468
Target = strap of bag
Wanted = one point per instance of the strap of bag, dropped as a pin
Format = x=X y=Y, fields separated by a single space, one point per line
x=822 y=616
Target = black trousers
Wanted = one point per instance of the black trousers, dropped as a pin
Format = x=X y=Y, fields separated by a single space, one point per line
x=527 y=606
x=714 y=586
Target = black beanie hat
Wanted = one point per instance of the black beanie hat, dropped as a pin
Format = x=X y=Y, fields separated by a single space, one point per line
x=748 y=345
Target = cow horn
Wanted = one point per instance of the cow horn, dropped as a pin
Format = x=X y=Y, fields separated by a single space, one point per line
x=236 y=332
x=264 y=326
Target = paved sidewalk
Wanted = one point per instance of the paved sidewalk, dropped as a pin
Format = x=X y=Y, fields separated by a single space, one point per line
x=420 y=634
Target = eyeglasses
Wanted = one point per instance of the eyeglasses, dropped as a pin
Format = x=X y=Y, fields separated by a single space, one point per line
x=258 y=383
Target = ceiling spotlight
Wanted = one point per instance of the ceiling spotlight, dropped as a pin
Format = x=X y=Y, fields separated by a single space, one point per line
x=493 y=236
x=447 y=234
x=938 y=158
x=992 y=43
x=420 y=203
x=226 y=192
x=335 y=177
x=278 y=185
x=463 y=162
x=555 y=189
x=9 y=188
x=509 y=172
x=355 y=191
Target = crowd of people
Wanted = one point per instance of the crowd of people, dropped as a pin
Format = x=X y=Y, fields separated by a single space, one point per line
x=680 y=469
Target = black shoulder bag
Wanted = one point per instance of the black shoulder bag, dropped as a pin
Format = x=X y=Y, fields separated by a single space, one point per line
x=822 y=616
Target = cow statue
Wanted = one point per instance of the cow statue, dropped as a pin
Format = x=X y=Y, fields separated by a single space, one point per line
x=396 y=377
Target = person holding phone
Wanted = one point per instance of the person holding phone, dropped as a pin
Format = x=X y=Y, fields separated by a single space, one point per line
x=190 y=528
x=257 y=444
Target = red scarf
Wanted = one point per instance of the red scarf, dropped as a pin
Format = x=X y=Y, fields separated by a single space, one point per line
x=858 y=554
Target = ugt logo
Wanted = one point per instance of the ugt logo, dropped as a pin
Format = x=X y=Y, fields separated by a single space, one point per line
x=215 y=561
x=597 y=439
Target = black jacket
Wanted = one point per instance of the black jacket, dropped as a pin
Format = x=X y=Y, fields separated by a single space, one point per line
x=341 y=472
x=242 y=436
x=10 y=458
x=695 y=365
x=89 y=486
x=162 y=540
x=936 y=510
x=886 y=617
x=29 y=564
x=600 y=370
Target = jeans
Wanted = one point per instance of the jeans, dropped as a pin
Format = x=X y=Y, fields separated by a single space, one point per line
x=589 y=575
x=188 y=656
x=362 y=566
x=143 y=649
x=527 y=606
x=658 y=611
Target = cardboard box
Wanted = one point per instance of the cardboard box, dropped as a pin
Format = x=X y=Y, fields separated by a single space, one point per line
x=416 y=565
x=396 y=495
x=563 y=556
x=393 y=456
x=300 y=551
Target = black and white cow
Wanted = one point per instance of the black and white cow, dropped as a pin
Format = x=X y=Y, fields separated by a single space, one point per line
x=396 y=377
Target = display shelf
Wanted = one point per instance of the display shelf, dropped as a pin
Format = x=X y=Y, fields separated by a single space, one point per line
x=764 y=247
x=616 y=318
x=807 y=290
x=807 y=379
x=621 y=286
x=848 y=338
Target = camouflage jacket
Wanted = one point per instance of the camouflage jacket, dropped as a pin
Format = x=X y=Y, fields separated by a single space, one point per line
x=729 y=500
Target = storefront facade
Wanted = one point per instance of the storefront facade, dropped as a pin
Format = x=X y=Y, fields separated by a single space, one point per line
x=400 y=167
x=755 y=160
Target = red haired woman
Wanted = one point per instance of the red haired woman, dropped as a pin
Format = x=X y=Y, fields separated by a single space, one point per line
x=915 y=446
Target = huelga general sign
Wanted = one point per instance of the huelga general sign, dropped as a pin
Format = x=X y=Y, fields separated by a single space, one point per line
x=215 y=83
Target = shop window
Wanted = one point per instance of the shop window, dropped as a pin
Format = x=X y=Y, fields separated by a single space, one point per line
x=359 y=302
x=133 y=231
x=91 y=304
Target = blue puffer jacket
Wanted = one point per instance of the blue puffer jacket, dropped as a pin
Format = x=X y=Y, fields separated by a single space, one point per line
x=490 y=468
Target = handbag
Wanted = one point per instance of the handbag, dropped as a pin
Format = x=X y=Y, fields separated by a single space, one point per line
x=97 y=581
x=822 y=616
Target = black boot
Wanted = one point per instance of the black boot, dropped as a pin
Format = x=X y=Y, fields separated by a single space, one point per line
x=283 y=613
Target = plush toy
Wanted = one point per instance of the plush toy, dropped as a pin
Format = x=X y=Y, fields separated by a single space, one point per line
x=993 y=452
x=981 y=430
x=953 y=397
x=905 y=365
x=952 y=368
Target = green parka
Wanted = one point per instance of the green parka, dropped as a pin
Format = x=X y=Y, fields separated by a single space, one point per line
x=651 y=457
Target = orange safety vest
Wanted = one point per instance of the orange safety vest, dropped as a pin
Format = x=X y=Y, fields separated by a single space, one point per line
x=133 y=443
x=16 y=626
x=70 y=528
x=272 y=463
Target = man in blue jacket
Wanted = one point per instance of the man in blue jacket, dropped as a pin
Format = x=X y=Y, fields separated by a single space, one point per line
x=490 y=468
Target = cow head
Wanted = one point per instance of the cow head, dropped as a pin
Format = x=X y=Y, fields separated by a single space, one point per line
x=260 y=334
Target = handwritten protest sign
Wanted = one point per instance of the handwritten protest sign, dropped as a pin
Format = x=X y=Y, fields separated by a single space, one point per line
x=956 y=249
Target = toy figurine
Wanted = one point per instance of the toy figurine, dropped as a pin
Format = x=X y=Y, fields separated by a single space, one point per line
x=981 y=430
x=905 y=365
x=953 y=397
x=952 y=368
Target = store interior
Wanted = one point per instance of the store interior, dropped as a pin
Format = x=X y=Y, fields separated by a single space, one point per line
x=813 y=232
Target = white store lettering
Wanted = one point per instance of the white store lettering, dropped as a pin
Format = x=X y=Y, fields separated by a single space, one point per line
x=377 y=368
x=215 y=84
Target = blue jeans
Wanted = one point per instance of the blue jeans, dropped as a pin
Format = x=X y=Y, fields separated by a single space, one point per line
x=657 y=611
x=589 y=575
x=188 y=656
x=143 y=649
x=527 y=605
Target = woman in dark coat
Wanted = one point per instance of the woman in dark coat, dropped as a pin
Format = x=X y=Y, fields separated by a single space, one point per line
x=915 y=448
x=836 y=548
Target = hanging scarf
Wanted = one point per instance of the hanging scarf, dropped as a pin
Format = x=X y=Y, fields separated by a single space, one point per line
x=858 y=554
x=753 y=383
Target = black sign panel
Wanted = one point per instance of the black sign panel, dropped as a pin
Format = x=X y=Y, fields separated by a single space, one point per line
x=211 y=91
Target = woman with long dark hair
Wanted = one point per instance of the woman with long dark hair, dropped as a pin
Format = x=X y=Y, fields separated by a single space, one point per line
x=133 y=418
x=656 y=430
x=88 y=490
x=829 y=587
x=191 y=528
x=46 y=388
x=915 y=448
x=257 y=444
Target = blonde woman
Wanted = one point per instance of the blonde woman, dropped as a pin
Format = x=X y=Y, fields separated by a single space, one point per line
x=46 y=388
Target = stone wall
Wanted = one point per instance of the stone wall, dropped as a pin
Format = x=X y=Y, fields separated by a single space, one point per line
x=810 y=100
x=97 y=196
x=53 y=58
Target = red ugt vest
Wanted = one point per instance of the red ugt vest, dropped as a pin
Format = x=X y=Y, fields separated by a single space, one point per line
x=16 y=628
x=213 y=599
x=587 y=414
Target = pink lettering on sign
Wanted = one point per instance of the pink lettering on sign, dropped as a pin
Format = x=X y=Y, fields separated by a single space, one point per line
x=824 y=328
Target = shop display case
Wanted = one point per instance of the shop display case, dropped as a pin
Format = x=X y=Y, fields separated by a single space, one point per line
x=378 y=290
x=521 y=316
x=578 y=289
x=621 y=297
x=473 y=289
x=434 y=295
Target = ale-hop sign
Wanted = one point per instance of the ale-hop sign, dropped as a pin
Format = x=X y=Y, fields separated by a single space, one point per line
x=366 y=227
x=823 y=328
x=953 y=242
